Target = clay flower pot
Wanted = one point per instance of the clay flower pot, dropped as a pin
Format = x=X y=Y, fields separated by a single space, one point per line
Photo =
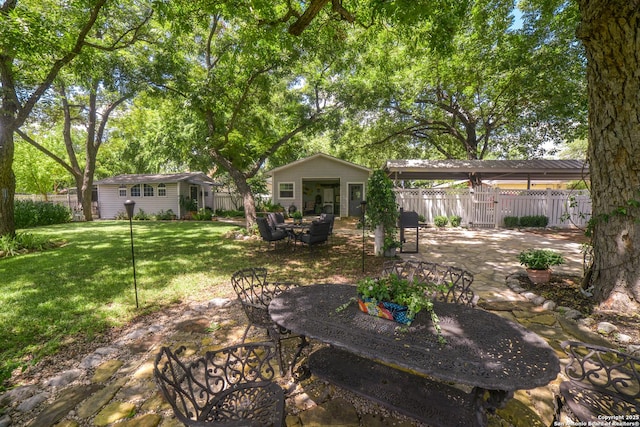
x=539 y=276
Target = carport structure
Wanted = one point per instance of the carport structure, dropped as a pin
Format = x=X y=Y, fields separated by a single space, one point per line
x=483 y=206
x=478 y=170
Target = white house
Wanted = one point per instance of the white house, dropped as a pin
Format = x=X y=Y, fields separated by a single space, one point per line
x=154 y=192
x=320 y=183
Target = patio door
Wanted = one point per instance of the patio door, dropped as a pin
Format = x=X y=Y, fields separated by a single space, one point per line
x=193 y=192
x=355 y=197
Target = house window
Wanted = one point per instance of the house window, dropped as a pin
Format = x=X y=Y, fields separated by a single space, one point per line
x=135 y=190
x=148 y=190
x=162 y=190
x=122 y=191
x=285 y=190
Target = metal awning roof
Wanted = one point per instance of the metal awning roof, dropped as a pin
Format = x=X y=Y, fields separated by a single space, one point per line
x=487 y=169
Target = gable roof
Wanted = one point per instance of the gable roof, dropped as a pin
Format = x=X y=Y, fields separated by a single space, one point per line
x=197 y=178
x=313 y=157
x=487 y=169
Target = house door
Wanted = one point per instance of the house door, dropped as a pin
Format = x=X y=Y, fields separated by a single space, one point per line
x=193 y=192
x=355 y=197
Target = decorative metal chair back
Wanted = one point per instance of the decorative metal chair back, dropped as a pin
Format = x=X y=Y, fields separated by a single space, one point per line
x=602 y=381
x=255 y=294
x=230 y=386
x=458 y=281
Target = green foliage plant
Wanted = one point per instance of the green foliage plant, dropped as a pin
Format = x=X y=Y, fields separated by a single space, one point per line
x=33 y=214
x=540 y=259
x=165 y=215
x=382 y=208
x=188 y=204
x=23 y=242
x=203 y=214
x=455 y=220
x=440 y=221
x=534 y=221
x=413 y=294
x=141 y=215
x=511 y=221
x=390 y=242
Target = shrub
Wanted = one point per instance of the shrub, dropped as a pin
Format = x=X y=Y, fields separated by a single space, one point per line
x=33 y=214
x=422 y=218
x=164 y=216
x=455 y=220
x=540 y=259
x=141 y=215
x=440 y=221
x=511 y=221
x=203 y=214
x=534 y=221
x=11 y=246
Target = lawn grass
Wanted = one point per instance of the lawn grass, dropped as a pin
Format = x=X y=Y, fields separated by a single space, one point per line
x=84 y=287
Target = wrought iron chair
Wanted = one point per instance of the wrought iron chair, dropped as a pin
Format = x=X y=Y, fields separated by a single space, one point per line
x=458 y=280
x=228 y=387
x=602 y=382
x=255 y=294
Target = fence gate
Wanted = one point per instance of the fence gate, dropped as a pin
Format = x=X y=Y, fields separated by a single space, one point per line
x=484 y=201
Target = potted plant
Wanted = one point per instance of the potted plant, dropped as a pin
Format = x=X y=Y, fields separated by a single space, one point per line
x=394 y=298
x=297 y=217
x=390 y=246
x=538 y=263
x=382 y=208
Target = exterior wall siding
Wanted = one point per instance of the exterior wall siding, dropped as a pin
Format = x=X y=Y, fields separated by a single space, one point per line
x=110 y=203
x=317 y=169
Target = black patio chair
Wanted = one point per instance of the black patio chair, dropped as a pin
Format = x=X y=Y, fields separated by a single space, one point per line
x=318 y=233
x=275 y=218
x=228 y=387
x=330 y=218
x=268 y=234
x=255 y=294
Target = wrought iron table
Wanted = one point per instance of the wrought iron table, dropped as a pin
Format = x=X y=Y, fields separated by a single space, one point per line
x=487 y=352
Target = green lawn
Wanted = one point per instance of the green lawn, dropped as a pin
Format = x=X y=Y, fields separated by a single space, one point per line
x=54 y=298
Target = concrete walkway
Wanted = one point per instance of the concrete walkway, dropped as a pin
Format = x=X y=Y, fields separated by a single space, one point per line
x=114 y=384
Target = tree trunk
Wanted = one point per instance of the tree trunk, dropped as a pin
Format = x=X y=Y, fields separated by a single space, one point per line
x=7 y=179
x=248 y=200
x=610 y=31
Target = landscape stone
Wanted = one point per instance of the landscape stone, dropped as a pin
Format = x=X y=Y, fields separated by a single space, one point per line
x=336 y=412
x=5 y=421
x=106 y=370
x=147 y=420
x=544 y=319
x=113 y=412
x=92 y=405
x=606 y=328
x=63 y=404
x=32 y=402
x=18 y=394
x=581 y=333
x=65 y=378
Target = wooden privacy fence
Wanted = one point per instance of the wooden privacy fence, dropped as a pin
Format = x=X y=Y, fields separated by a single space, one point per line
x=487 y=207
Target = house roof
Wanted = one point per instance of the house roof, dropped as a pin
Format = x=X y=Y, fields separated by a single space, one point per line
x=487 y=169
x=197 y=178
x=316 y=156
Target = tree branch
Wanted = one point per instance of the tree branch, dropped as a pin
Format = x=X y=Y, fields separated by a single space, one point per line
x=32 y=142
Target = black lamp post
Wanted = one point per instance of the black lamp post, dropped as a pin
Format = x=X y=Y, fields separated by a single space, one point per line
x=363 y=205
x=129 y=205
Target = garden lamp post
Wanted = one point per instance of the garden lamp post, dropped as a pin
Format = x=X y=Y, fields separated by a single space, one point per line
x=363 y=205
x=129 y=205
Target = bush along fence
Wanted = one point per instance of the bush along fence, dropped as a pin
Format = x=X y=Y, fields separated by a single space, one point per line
x=495 y=207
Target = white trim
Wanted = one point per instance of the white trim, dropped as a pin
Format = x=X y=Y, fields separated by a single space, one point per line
x=293 y=190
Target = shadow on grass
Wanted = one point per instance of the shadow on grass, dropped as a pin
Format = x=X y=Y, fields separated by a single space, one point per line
x=57 y=298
